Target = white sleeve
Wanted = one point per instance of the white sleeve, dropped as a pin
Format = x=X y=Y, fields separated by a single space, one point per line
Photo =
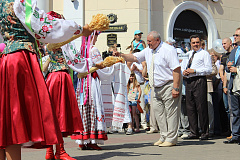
x=140 y=55
x=207 y=68
x=45 y=28
x=74 y=60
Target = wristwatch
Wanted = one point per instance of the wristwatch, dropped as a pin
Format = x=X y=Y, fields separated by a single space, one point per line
x=176 y=89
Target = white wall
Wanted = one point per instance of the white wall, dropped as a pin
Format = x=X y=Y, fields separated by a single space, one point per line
x=43 y=5
x=74 y=11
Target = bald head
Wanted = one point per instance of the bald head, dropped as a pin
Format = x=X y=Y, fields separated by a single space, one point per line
x=227 y=44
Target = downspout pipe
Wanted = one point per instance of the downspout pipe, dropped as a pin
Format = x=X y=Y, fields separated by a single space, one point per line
x=149 y=15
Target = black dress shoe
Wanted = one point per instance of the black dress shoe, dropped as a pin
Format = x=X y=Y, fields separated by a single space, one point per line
x=231 y=141
x=191 y=137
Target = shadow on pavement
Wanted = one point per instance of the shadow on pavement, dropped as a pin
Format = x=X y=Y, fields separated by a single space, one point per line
x=188 y=143
x=129 y=145
x=107 y=155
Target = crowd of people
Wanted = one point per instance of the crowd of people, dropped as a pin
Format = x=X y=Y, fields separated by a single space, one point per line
x=203 y=86
x=190 y=93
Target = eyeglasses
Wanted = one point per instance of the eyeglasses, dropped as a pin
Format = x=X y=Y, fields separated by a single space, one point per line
x=236 y=35
x=234 y=44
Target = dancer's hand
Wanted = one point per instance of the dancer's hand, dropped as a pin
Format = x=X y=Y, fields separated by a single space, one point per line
x=86 y=31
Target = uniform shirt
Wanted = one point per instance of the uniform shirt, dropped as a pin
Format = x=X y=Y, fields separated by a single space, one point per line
x=165 y=62
x=201 y=62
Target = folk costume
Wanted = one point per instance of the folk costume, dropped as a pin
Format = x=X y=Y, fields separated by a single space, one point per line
x=90 y=102
x=25 y=107
x=90 y=99
x=60 y=87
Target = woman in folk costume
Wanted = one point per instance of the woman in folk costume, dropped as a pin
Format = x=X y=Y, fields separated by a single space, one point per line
x=90 y=103
x=26 y=111
x=60 y=87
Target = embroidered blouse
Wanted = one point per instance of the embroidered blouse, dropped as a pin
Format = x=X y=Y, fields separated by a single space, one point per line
x=45 y=28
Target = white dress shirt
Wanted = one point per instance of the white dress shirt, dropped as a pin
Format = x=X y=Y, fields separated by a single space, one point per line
x=201 y=62
x=165 y=62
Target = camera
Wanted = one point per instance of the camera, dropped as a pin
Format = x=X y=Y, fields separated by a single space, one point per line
x=106 y=54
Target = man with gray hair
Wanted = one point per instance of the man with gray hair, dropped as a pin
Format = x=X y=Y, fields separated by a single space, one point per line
x=170 y=41
x=164 y=73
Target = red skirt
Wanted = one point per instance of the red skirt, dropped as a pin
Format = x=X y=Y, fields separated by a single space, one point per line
x=26 y=112
x=62 y=93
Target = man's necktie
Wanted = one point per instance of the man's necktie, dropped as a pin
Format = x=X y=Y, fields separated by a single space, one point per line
x=190 y=60
x=150 y=76
x=237 y=55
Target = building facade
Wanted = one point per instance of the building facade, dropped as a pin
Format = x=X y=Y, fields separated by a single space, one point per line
x=211 y=19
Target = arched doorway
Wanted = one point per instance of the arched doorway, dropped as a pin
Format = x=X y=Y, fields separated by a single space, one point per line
x=203 y=13
x=188 y=23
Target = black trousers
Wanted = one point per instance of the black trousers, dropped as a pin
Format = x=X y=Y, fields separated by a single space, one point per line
x=196 y=104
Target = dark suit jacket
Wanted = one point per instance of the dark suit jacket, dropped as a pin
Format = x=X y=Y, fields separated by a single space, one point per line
x=232 y=58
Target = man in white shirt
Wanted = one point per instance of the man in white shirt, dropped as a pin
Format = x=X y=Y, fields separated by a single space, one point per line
x=165 y=77
x=195 y=71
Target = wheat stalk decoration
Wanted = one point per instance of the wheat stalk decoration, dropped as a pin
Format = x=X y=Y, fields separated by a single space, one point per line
x=100 y=22
x=109 y=61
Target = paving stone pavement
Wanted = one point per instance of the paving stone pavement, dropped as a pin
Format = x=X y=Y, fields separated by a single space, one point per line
x=139 y=147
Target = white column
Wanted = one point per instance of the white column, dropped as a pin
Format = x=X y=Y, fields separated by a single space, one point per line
x=43 y=5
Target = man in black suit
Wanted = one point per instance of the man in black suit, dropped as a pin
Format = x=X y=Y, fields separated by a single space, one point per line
x=232 y=64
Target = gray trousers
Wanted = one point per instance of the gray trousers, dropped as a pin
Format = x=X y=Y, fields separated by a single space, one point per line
x=142 y=104
x=210 y=113
x=183 y=123
x=153 y=121
x=167 y=112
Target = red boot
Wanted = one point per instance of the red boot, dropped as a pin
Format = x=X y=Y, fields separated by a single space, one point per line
x=61 y=153
x=49 y=153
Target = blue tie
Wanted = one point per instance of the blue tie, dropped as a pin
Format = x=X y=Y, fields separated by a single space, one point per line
x=237 y=55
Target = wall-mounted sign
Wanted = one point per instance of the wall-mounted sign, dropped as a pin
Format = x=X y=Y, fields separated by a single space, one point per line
x=117 y=28
x=111 y=39
x=112 y=17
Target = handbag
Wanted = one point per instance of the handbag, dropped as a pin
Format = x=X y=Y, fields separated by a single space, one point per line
x=139 y=107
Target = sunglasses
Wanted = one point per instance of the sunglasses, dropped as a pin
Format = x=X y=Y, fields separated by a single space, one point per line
x=236 y=35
